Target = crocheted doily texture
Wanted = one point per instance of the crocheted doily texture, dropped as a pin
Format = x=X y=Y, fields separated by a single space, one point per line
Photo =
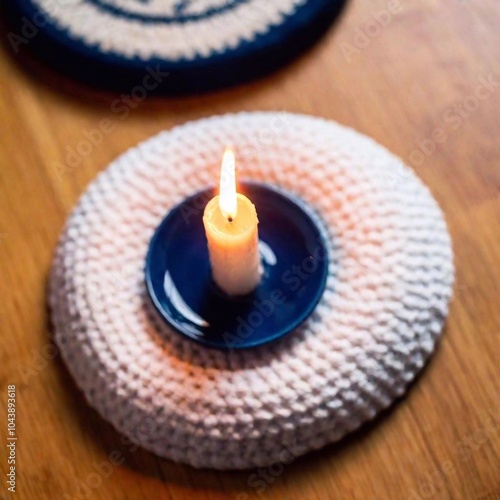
x=169 y=46
x=169 y=29
x=382 y=312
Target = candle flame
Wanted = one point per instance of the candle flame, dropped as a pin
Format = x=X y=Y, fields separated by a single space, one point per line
x=227 y=197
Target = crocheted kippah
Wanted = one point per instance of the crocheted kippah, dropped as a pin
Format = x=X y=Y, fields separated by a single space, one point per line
x=201 y=44
x=378 y=321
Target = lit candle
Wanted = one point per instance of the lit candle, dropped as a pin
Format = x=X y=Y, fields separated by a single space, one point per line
x=230 y=221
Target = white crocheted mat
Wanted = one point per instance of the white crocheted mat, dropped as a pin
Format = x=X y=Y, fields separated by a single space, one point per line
x=378 y=321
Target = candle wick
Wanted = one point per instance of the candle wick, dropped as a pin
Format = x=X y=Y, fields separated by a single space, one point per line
x=230 y=219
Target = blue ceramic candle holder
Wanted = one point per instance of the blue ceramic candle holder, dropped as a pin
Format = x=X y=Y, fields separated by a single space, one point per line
x=295 y=267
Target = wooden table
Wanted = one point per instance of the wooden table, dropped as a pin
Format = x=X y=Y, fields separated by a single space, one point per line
x=419 y=74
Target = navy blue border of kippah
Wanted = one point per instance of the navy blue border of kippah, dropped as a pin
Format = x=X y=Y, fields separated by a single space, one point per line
x=248 y=61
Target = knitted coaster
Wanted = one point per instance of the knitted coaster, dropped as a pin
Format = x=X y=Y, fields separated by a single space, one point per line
x=387 y=294
x=193 y=45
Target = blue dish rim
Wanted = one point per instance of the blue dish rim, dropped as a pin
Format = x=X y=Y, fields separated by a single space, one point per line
x=315 y=220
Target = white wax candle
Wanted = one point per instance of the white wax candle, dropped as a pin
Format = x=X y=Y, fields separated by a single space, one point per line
x=230 y=221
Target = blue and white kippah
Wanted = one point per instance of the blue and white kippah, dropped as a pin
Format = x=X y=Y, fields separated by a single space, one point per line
x=202 y=44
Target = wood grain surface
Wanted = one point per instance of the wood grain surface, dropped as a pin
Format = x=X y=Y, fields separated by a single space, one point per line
x=411 y=86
